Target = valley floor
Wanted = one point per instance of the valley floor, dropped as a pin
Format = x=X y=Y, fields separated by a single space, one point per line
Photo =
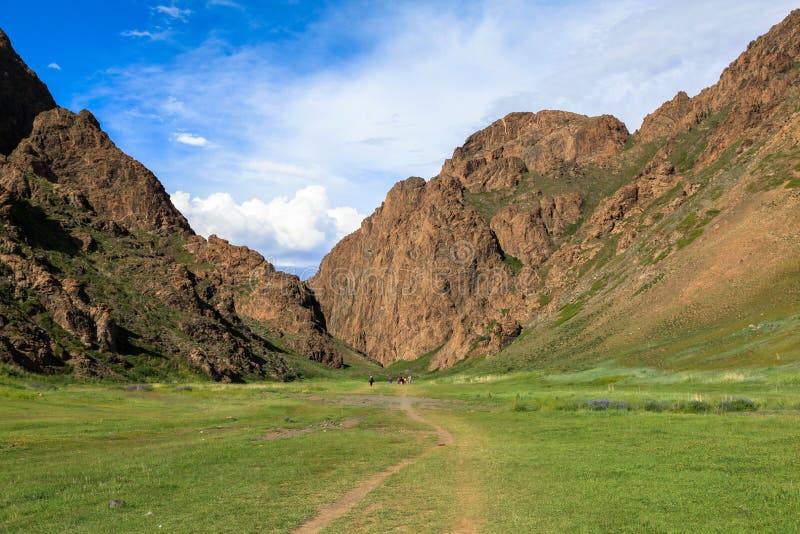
x=601 y=450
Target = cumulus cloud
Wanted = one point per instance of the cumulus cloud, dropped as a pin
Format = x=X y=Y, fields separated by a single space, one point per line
x=54 y=66
x=286 y=229
x=345 y=220
x=190 y=139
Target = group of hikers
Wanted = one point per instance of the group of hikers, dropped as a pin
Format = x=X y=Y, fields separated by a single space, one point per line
x=399 y=380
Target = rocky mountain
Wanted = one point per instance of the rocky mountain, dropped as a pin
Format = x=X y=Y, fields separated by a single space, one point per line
x=547 y=239
x=100 y=275
x=555 y=238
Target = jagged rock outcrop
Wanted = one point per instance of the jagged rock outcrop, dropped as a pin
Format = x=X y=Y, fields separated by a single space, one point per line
x=74 y=152
x=22 y=97
x=528 y=229
x=278 y=299
x=703 y=237
x=671 y=117
x=498 y=156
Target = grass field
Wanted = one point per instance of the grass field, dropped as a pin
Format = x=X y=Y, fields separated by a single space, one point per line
x=606 y=449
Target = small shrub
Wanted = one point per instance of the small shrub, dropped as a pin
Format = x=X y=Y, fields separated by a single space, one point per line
x=689 y=238
x=605 y=404
x=572 y=228
x=521 y=407
x=738 y=405
x=513 y=263
x=654 y=406
x=609 y=379
x=687 y=223
x=598 y=285
x=598 y=404
x=694 y=406
x=559 y=404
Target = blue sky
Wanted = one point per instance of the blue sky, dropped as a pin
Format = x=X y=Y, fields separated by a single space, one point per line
x=280 y=124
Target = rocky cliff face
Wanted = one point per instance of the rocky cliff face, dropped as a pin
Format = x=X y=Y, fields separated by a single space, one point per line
x=422 y=272
x=247 y=285
x=451 y=265
x=75 y=153
x=586 y=227
x=101 y=275
x=547 y=142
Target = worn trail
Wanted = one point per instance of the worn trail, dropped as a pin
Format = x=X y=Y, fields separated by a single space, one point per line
x=346 y=502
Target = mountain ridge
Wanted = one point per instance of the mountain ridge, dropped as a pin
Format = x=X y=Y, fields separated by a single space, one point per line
x=563 y=202
x=103 y=276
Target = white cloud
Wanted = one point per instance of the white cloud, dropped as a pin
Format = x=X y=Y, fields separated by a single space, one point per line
x=346 y=220
x=140 y=33
x=224 y=3
x=173 y=12
x=190 y=139
x=286 y=229
x=54 y=66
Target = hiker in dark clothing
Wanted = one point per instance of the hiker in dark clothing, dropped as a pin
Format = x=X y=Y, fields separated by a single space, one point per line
x=371 y=380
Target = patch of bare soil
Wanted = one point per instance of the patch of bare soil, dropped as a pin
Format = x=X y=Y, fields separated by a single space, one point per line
x=324 y=426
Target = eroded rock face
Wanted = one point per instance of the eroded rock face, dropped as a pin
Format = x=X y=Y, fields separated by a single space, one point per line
x=528 y=228
x=144 y=293
x=423 y=272
x=426 y=271
x=64 y=300
x=670 y=117
x=749 y=90
x=22 y=97
x=248 y=285
x=74 y=152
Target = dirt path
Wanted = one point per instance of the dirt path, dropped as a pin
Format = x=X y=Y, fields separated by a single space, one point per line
x=334 y=511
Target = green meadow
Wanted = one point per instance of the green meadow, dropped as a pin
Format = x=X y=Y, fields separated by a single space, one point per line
x=600 y=450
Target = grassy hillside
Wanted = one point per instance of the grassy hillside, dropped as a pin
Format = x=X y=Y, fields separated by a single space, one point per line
x=709 y=279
